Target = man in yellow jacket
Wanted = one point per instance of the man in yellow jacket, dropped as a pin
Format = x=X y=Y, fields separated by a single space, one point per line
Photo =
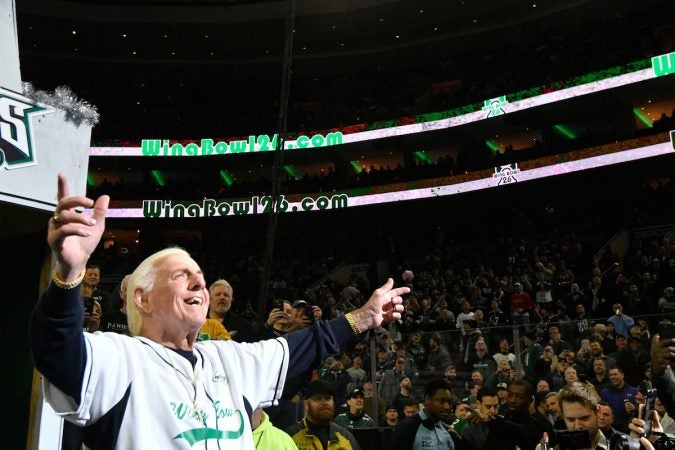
x=317 y=431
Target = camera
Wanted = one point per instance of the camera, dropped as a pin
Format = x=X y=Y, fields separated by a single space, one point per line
x=622 y=441
x=573 y=439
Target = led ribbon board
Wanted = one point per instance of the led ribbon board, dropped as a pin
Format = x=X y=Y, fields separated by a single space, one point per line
x=661 y=66
x=503 y=175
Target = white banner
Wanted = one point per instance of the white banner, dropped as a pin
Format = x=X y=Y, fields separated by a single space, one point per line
x=10 y=75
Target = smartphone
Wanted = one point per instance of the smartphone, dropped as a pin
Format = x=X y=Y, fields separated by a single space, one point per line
x=309 y=313
x=278 y=304
x=88 y=305
x=650 y=400
x=667 y=330
x=573 y=439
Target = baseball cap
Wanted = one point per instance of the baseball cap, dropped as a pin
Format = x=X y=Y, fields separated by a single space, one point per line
x=317 y=387
x=517 y=285
x=502 y=386
x=299 y=303
x=356 y=392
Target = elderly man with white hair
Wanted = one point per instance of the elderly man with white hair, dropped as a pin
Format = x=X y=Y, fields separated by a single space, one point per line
x=160 y=387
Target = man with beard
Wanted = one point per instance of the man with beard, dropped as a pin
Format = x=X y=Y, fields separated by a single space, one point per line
x=518 y=428
x=239 y=328
x=425 y=430
x=317 y=430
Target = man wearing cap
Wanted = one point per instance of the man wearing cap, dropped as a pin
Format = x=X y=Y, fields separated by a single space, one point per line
x=317 y=430
x=355 y=416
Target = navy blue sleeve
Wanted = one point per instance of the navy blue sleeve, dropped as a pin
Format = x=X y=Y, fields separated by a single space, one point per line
x=310 y=346
x=56 y=339
x=404 y=433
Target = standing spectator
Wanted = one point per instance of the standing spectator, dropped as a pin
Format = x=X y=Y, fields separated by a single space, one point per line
x=116 y=321
x=240 y=329
x=521 y=307
x=554 y=413
x=417 y=350
x=632 y=361
x=457 y=386
x=531 y=354
x=409 y=368
x=90 y=289
x=356 y=373
x=438 y=358
x=404 y=395
x=372 y=403
x=504 y=353
x=557 y=342
x=339 y=378
x=599 y=378
x=471 y=335
x=391 y=417
x=581 y=325
x=606 y=419
x=620 y=321
x=496 y=316
x=317 y=429
x=621 y=397
x=579 y=405
x=476 y=433
x=666 y=303
x=466 y=314
x=574 y=298
x=517 y=427
x=425 y=429
x=355 y=416
x=480 y=360
x=504 y=374
x=267 y=436
x=390 y=383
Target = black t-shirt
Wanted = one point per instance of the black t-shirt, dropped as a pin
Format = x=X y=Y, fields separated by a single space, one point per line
x=116 y=322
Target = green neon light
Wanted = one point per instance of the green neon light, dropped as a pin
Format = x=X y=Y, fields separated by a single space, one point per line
x=493 y=146
x=356 y=166
x=159 y=177
x=90 y=179
x=292 y=172
x=642 y=118
x=565 y=131
x=422 y=156
x=226 y=177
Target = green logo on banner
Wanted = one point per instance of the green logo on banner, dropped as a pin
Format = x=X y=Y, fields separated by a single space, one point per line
x=663 y=64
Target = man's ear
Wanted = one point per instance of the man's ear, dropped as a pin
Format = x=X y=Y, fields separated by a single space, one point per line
x=142 y=300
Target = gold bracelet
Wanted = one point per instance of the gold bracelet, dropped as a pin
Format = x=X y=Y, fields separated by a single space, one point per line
x=62 y=284
x=352 y=323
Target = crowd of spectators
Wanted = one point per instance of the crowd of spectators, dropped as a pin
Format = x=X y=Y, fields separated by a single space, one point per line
x=578 y=315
